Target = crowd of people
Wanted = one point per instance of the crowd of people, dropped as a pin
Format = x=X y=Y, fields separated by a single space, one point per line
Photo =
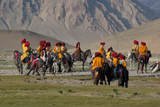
x=100 y=57
x=117 y=59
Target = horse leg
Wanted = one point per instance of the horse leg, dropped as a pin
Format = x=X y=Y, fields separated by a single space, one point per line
x=138 y=67
x=145 y=68
x=83 y=65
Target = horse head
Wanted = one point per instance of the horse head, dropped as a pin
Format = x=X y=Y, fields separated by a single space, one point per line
x=88 y=53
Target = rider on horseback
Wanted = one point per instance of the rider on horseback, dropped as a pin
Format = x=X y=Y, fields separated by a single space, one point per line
x=48 y=47
x=142 y=51
x=115 y=62
x=135 y=49
x=57 y=50
x=101 y=50
x=109 y=54
x=78 y=51
x=41 y=48
x=23 y=44
x=26 y=51
x=122 y=61
x=97 y=63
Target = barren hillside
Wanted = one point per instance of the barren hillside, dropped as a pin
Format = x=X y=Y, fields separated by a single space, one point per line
x=73 y=20
x=10 y=40
x=122 y=42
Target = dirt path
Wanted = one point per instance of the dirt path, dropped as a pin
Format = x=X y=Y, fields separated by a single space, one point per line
x=131 y=73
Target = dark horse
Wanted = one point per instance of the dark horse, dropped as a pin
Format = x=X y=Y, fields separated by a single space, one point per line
x=82 y=57
x=122 y=75
x=66 y=62
x=19 y=64
x=17 y=61
x=143 y=61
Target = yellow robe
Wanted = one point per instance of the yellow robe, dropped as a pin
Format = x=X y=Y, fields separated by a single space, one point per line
x=143 y=50
x=135 y=49
x=57 y=50
x=26 y=53
x=101 y=50
x=124 y=63
x=63 y=49
x=108 y=55
x=97 y=62
x=115 y=62
x=48 y=49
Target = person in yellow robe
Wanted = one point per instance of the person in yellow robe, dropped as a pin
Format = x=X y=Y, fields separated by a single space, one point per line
x=48 y=47
x=109 y=54
x=97 y=63
x=63 y=47
x=26 y=50
x=23 y=44
x=135 y=49
x=101 y=49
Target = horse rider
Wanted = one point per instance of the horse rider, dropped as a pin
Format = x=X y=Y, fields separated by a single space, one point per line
x=23 y=44
x=63 y=47
x=41 y=48
x=97 y=63
x=101 y=50
x=115 y=62
x=48 y=47
x=143 y=51
x=78 y=51
x=135 y=49
x=26 y=51
x=57 y=50
x=122 y=61
x=109 y=54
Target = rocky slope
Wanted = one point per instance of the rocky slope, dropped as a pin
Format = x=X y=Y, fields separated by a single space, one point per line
x=73 y=20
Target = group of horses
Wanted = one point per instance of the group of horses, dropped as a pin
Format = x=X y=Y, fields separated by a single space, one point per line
x=48 y=62
x=140 y=62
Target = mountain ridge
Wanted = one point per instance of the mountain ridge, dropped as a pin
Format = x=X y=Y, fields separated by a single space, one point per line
x=73 y=20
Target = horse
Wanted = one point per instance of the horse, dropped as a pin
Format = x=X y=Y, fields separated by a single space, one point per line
x=122 y=75
x=132 y=59
x=82 y=57
x=17 y=61
x=39 y=64
x=98 y=75
x=19 y=64
x=66 y=61
x=143 y=62
x=155 y=67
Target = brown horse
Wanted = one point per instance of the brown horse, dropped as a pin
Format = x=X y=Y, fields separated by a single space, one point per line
x=143 y=62
x=82 y=57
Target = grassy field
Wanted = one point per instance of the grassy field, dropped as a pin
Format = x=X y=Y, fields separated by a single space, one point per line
x=20 y=91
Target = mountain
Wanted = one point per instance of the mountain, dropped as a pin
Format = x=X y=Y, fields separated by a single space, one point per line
x=12 y=39
x=153 y=4
x=123 y=41
x=73 y=20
